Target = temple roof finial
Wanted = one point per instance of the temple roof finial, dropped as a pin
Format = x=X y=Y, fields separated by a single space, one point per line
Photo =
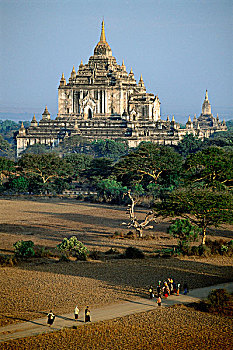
x=102 y=36
x=206 y=95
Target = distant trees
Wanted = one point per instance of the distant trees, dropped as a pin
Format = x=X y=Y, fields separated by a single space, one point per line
x=203 y=207
x=150 y=164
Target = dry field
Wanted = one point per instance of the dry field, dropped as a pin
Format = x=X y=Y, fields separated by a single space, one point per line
x=30 y=289
x=166 y=328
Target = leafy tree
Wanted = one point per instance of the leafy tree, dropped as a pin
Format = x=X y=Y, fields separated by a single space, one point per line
x=24 y=249
x=111 y=190
x=44 y=166
x=6 y=149
x=74 y=144
x=73 y=247
x=109 y=149
x=7 y=167
x=99 y=168
x=189 y=144
x=203 y=207
x=184 y=231
x=212 y=167
x=37 y=148
x=18 y=184
x=78 y=162
x=149 y=162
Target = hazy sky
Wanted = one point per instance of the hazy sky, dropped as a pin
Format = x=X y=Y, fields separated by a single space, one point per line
x=181 y=47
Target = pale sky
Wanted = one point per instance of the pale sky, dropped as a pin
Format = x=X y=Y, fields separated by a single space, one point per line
x=181 y=48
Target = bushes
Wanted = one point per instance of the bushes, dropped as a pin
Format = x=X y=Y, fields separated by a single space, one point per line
x=6 y=260
x=73 y=247
x=134 y=253
x=185 y=232
x=24 y=249
x=218 y=300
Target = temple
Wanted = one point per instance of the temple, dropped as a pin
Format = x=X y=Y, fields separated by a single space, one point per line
x=102 y=100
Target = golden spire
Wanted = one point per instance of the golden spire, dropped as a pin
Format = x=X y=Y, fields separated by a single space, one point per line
x=63 y=77
x=141 y=80
x=73 y=71
x=102 y=36
x=81 y=64
x=22 y=126
x=34 y=118
x=131 y=71
x=189 y=119
x=173 y=118
x=206 y=95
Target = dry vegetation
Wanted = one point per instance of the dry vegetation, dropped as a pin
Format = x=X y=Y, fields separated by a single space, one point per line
x=165 y=328
x=30 y=289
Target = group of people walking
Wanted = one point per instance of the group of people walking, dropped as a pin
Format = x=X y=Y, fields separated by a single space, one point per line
x=166 y=288
x=87 y=315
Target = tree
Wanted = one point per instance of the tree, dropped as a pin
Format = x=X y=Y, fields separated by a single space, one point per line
x=78 y=162
x=212 y=167
x=190 y=144
x=74 y=144
x=99 y=168
x=24 y=249
x=37 y=148
x=7 y=167
x=149 y=162
x=134 y=222
x=184 y=231
x=44 y=166
x=73 y=246
x=111 y=190
x=6 y=149
x=18 y=184
x=202 y=207
x=109 y=149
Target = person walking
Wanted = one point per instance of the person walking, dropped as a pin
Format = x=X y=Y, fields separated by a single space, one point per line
x=87 y=314
x=186 y=289
x=159 y=289
x=76 y=312
x=159 y=301
x=51 y=318
x=151 y=292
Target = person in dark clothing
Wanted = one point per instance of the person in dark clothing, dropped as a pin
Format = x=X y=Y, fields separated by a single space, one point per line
x=151 y=292
x=159 y=289
x=186 y=289
x=87 y=315
x=51 y=318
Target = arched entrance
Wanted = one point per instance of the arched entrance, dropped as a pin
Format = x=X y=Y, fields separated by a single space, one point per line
x=89 y=113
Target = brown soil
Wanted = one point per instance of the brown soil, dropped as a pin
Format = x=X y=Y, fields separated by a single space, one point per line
x=165 y=328
x=32 y=288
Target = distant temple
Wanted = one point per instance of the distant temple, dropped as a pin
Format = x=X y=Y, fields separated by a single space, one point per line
x=103 y=101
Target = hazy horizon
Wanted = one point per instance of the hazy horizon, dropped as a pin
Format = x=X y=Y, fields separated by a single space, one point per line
x=181 y=48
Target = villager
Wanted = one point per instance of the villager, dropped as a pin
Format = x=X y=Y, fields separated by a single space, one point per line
x=178 y=289
x=159 y=301
x=76 y=312
x=174 y=287
x=186 y=290
x=51 y=318
x=159 y=289
x=87 y=314
x=151 y=292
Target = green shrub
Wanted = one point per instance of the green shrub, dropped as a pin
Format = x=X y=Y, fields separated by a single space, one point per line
x=42 y=252
x=73 y=247
x=218 y=299
x=24 y=249
x=134 y=253
x=204 y=250
x=185 y=232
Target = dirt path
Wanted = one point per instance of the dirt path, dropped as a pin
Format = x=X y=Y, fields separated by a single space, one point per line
x=126 y=307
